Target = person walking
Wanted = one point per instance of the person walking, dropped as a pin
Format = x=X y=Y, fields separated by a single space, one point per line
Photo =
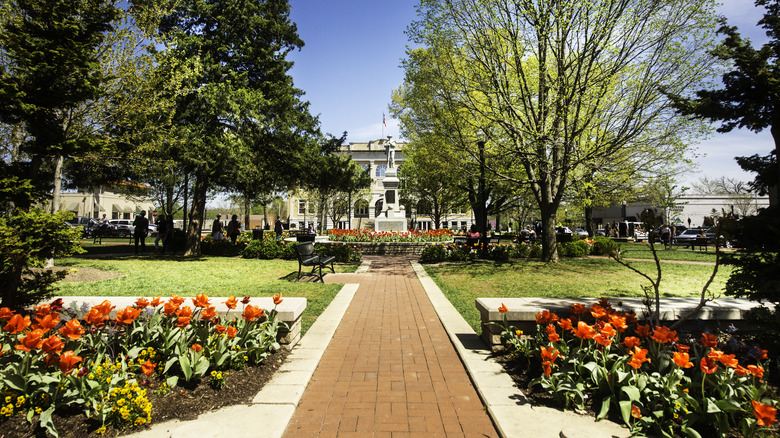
x=141 y=224
x=216 y=228
x=278 y=229
x=162 y=232
x=234 y=228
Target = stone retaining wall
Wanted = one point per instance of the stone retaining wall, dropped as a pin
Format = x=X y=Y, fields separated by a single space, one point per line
x=390 y=248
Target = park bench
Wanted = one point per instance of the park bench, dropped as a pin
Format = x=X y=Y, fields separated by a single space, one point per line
x=308 y=257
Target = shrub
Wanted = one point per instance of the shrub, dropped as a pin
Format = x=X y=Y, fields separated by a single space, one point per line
x=263 y=249
x=500 y=253
x=577 y=248
x=522 y=250
x=342 y=253
x=535 y=251
x=459 y=254
x=603 y=246
x=221 y=248
x=433 y=254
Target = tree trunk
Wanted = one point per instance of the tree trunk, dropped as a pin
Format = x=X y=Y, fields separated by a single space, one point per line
x=55 y=200
x=196 y=216
x=589 y=227
x=247 y=210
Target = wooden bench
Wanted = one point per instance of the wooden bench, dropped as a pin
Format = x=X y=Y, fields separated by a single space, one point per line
x=308 y=257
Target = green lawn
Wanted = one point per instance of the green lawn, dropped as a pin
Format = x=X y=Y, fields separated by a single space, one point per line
x=679 y=253
x=463 y=283
x=213 y=276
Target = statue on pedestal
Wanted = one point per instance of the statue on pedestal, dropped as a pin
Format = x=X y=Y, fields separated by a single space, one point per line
x=390 y=150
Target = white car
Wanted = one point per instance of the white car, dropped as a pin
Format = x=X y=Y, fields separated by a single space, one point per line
x=124 y=227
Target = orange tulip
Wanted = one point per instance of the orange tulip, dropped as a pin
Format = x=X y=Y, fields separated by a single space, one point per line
x=56 y=305
x=170 y=308
x=142 y=303
x=608 y=330
x=105 y=307
x=6 y=313
x=630 y=317
x=220 y=328
x=148 y=367
x=765 y=414
x=682 y=348
x=545 y=317
x=741 y=371
x=32 y=341
x=127 y=316
x=565 y=324
x=552 y=335
x=756 y=370
x=599 y=312
x=632 y=341
x=208 y=313
x=47 y=322
x=42 y=310
x=51 y=359
x=708 y=366
x=548 y=359
x=639 y=357
x=663 y=335
x=583 y=330
x=52 y=345
x=709 y=340
x=201 y=300
x=72 y=329
x=68 y=361
x=252 y=312
x=503 y=308
x=95 y=317
x=682 y=360
x=155 y=302
x=245 y=301
x=183 y=321
x=278 y=299
x=177 y=300
x=17 y=324
x=231 y=332
x=185 y=311
x=729 y=360
x=578 y=309
x=636 y=412
x=642 y=330
x=618 y=322
x=196 y=348
x=231 y=302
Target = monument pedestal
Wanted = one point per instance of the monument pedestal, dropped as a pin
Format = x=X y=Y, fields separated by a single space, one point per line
x=393 y=218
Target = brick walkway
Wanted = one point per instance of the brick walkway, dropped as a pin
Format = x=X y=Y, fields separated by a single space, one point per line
x=390 y=369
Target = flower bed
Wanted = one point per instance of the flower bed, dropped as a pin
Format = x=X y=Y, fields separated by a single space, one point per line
x=52 y=361
x=654 y=383
x=337 y=235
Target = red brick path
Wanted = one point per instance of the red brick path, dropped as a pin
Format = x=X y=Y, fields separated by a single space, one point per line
x=390 y=369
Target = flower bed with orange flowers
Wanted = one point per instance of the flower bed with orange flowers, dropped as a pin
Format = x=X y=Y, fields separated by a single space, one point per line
x=51 y=361
x=338 y=235
x=645 y=376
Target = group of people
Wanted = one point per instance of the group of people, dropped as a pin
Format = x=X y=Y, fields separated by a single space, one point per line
x=141 y=230
x=233 y=230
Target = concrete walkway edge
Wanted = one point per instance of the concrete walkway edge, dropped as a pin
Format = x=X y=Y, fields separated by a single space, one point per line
x=511 y=412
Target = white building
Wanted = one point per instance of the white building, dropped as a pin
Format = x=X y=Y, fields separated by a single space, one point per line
x=372 y=157
x=96 y=204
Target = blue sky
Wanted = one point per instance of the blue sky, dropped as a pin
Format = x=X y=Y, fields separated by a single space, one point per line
x=351 y=63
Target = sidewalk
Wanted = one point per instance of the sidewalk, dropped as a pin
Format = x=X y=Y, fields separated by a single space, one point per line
x=390 y=369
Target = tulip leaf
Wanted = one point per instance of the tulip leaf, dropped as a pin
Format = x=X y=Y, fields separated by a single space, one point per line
x=604 y=407
x=202 y=367
x=625 y=410
x=47 y=422
x=15 y=381
x=172 y=381
x=728 y=405
x=632 y=392
x=712 y=408
x=186 y=368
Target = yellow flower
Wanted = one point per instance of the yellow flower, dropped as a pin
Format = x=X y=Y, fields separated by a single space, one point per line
x=101 y=430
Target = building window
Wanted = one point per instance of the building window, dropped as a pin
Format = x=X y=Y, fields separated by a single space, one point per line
x=365 y=167
x=380 y=170
x=361 y=208
x=301 y=206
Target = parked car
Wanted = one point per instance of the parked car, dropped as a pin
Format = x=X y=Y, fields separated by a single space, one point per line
x=124 y=227
x=690 y=235
x=581 y=233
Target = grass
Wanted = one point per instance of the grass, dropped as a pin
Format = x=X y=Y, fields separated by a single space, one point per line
x=676 y=253
x=581 y=278
x=213 y=276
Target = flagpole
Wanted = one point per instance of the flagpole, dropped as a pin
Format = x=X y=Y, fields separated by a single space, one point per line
x=383 y=125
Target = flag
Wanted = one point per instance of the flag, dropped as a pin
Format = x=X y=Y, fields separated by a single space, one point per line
x=383 y=120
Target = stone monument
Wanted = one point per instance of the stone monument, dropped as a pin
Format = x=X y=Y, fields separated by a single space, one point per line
x=393 y=217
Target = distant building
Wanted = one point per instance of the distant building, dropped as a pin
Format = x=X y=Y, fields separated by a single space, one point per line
x=99 y=202
x=697 y=208
x=372 y=157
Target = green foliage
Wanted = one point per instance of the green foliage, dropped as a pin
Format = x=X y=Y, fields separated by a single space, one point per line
x=603 y=246
x=434 y=254
x=223 y=248
x=27 y=240
x=577 y=248
x=265 y=249
x=342 y=253
x=657 y=383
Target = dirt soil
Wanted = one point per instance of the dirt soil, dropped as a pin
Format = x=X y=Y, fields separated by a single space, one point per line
x=182 y=403
x=83 y=274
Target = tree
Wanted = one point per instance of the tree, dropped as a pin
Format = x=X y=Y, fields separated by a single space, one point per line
x=557 y=84
x=750 y=97
x=52 y=68
x=334 y=179
x=242 y=118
